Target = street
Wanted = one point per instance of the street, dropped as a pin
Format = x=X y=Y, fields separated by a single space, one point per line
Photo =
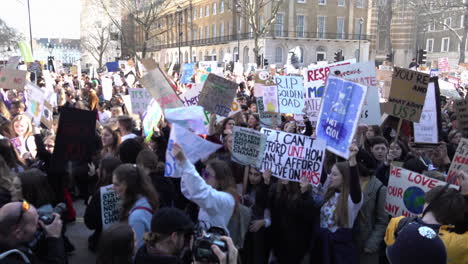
x=78 y=234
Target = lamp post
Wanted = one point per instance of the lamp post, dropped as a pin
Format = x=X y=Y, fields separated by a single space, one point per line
x=361 y=21
x=238 y=9
x=50 y=59
x=179 y=13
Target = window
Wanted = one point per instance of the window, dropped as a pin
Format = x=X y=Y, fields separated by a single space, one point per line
x=301 y=55
x=201 y=12
x=430 y=45
x=341 y=2
x=321 y=56
x=229 y=29
x=322 y=2
x=321 y=26
x=431 y=26
x=194 y=13
x=360 y=3
x=213 y=31
x=340 y=27
x=279 y=25
x=221 y=30
x=207 y=10
x=201 y=32
x=221 y=7
x=207 y=32
x=445 y=45
x=279 y=55
x=462 y=20
x=300 y=26
x=301 y=1
x=214 y=8
x=448 y=23
x=194 y=34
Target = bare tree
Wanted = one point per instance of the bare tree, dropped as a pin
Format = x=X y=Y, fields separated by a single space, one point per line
x=145 y=15
x=438 y=10
x=8 y=35
x=96 y=43
x=253 y=11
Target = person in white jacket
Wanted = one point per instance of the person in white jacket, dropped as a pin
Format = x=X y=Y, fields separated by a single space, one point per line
x=215 y=193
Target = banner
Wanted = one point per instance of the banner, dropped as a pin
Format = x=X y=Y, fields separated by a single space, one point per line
x=156 y=83
x=364 y=73
x=195 y=148
x=25 y=51
x=188 y=69
x=12 y=79
x=140 y=99
x=461 y=110
x=248 y=146
x=112 y=66
x=426 y=131
x=339 y=114
x=191 y=118
x=110 y=206
x=459 y=162
x=406 y=191
x=151 y=117
x=266 y=118
x=35 y=99
x=107 y=88
x=290 y=94
x=217 y=95
x=192 y=94
x=407 y=94
x=270 y=98
x=292 y=156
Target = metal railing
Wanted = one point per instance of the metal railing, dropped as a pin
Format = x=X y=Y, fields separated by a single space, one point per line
x=294 y=35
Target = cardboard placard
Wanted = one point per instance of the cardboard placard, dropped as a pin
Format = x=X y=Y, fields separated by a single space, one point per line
x=407 y=94
x=188 y=69
x=35 y=99
x=444 y=65
x=267 y=118
x=290 y=94
x=292 y=156
x=339 y=114
x=12 y=79
x=248 y=146
x=384 y=79
x=47 y=115
x=140 y=99
x=149 y=64
x=191 y=118
x=406 y=190
x=270 y=98
x=426 y=131
x=13 y=62
x=112 y=66
x=459 y=162
x=110 y=206
x=461 y=110
x=192 y=94
x=151 y=117
x=156 y=83
x=217 y=95
x=107 y=88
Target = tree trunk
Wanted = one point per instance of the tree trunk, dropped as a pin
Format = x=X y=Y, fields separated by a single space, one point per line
x=100 y=59
x=256 y=49
x=463 y=42
x=145 y=44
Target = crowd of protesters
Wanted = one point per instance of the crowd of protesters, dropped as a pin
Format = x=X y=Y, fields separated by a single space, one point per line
x=260 y=218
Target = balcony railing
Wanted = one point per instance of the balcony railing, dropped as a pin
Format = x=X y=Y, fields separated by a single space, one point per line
x=294 y=35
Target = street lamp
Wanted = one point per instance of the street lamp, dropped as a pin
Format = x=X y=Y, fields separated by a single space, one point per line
x=361 y=21
x=238 y=9
x=179 y=12
x=50 y=58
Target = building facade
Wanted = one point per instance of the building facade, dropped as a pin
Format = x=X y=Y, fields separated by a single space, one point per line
x=65 y=50
x=314 y=29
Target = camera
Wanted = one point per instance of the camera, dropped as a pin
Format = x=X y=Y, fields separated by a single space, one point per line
x=202 y=242
x=47 y=218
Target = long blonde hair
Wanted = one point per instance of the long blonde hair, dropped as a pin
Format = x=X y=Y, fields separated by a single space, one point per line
x=341 y=212
x=19 y=118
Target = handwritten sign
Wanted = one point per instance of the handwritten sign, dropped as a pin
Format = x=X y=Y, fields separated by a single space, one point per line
x=444 y=65
x=35 y=102
x=188 y=69
x=248 y=146
x=112 y=66
x=192 y=94
x=12 y=79
x=110 y=206
x=290 y=94
x=384 y=79
x=406 y=191
x=140 y=99
x=292 y=157
x=461 y=110
x=13 y=62
x=151 y=117
x=407 y=94
x=107 y=88
x=217 y=95
x=426 y=131
x=156 y=83
x=459 y=162
x=191 y=118
x=267 y=119
x=270 y=98
x=339 y=114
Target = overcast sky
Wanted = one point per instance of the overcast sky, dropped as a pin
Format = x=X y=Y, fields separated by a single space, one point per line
x=49 y=18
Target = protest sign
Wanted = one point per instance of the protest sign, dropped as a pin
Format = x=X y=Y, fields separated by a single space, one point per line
x=270 y=98
x=339 y=114
x=140 y=99
x=107 y=88
x=75 y=132
x=16 y=142
x=262 y=77
x=12 y=79
x=448 y=90
x=195 y=148
x=110 y=206
x=25 y=51
x=406 y=190
x=207 y=66
x=238 y=69
x=426 y=131
x=227 y=57
x=151 y=117
x=444 y=65
x=127 y=103
x=266 y=118
x=112 y=66
x=292 y=156
x=364 y=73
x=407 y=94
x=35 y=98
x=13 y=62
x=192 y=94
x=156 y=83
x=191 y=118
x=248 y=146
x=290 y=94
x=188 y=69
x=47 y=115
x=461 y=110
x=459 y=162
x=149 y=64
x=384 y=79
x=217 y=95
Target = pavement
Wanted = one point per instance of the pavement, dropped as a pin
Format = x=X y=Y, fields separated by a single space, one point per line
x=78 y=234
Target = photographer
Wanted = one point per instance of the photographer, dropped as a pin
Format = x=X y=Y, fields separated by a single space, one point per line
x=18 y=225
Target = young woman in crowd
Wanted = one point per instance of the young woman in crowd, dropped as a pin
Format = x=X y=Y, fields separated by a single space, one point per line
x=92 y=215
x=110 y=141
x=117 y=245
x=139 y=199
x=217 y=135
x=23 y=129
x=8 y=152
x=253 y=121
x=215 y=193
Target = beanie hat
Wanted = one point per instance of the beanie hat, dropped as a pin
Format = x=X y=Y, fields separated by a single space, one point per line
x=169 y=220
x=417 y=243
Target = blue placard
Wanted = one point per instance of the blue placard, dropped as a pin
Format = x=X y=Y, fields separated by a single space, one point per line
x=188 y=69
x=340 y=113
x=290 y=94
x=112 y=66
